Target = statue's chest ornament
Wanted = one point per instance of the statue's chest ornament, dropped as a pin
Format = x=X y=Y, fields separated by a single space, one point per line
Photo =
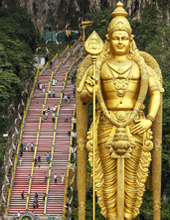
x=120 y=87
x=120 y=83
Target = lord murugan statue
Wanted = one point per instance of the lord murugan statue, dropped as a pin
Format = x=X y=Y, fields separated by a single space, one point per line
x=124 y=140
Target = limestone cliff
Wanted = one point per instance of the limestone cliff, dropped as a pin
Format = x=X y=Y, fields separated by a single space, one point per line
x=58 y=12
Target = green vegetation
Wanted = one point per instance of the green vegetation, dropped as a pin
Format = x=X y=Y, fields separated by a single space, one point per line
x=2 y=149
x=17 y=45
x=151 y=35
x=101 y=21
x=163 y=3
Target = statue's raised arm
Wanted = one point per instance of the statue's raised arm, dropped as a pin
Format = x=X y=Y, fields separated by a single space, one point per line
x=126 y=139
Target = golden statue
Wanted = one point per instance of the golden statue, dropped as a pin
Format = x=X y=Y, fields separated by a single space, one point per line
x=120 y=139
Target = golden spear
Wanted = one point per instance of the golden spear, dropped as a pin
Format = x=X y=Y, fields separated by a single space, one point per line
x=94 y=46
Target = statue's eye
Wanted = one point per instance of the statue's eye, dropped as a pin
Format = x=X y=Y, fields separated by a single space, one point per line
x=115 y=38
x=125 y=38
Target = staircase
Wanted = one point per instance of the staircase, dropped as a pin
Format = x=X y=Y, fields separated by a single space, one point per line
x=55 y=197
x=61 y=153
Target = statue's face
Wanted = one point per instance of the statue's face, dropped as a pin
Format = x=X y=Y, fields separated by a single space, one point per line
x=119 y=42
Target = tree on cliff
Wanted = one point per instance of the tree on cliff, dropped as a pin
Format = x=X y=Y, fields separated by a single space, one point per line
x=17 y=44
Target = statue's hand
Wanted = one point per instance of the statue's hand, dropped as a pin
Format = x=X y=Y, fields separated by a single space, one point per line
x=141 y=126
x=90 y=82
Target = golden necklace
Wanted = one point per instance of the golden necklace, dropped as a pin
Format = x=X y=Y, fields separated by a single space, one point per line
x=120 y=67
x=119 y=84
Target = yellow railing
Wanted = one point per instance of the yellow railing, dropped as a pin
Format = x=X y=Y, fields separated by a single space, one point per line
x=38 y=134
x=69 y=158
x=54 y=134
x=76 y=50
x=52 y=152
x=80 y=57
x=75 y=43
x=22 y=125
x=64 y=51
x=56 y=121
x=67 y=174
x=69 y=55
x=62 y=62
x=54 y=57
x=59 y=65
x=74 y=62
x=32 y=170
x=19 y=142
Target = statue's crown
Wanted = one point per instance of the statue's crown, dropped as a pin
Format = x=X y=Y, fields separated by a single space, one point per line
x=119 y=21
x=119 y=10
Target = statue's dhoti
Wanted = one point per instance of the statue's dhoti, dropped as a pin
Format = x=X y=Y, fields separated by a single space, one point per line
x=135 y=167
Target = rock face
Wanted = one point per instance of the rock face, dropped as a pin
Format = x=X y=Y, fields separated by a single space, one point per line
x=57 y=13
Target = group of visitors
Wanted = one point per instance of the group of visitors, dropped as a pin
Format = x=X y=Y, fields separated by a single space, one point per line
x=51 y=93
x=42 y=87
x=30 y=146
x=24 y=147
x=36 y=201
x=66 y=98
x=37 y=161
x=62 y=176
x=46 y=112
x=54 y=112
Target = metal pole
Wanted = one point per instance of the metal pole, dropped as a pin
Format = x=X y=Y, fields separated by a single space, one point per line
x=94 y=136
x=156 y=164
x=120 y=188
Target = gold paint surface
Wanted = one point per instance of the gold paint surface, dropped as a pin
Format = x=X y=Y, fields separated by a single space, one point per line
x=125 y=139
